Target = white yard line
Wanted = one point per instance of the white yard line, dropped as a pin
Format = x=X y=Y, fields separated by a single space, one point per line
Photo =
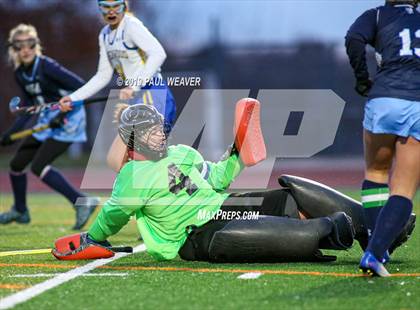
x=50 y=275
x=250 y=275
x=31 y=292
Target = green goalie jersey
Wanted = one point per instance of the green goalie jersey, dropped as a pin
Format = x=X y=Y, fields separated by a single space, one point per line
x=166 y=197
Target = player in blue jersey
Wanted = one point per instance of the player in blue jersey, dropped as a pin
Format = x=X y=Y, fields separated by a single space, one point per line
x=43 y=80
x=391 y=122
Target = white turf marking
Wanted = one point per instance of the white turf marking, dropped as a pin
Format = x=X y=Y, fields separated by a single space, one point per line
x=250 y=275
x=49 y=275
x=31 y=292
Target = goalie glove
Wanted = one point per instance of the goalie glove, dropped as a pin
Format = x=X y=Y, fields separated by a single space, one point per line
x=80 y=247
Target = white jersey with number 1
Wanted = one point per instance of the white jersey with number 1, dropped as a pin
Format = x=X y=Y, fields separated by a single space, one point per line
x=131 y=50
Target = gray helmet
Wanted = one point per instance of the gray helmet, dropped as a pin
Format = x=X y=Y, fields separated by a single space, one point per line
x=412 y=2
x=141 y=127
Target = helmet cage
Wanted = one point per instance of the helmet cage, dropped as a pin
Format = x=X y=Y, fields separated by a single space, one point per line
x=141 y=127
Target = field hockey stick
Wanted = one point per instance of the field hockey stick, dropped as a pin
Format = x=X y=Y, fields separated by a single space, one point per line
x=121 y=249
x=116 y=249
x=16 y=108
x=27 y=132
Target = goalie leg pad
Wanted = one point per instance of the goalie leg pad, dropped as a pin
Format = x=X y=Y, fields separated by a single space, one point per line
x=249 y=140
x=76 y=247
x=270 y=239
x=318 y=200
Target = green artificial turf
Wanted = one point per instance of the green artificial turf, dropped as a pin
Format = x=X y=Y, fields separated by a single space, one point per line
x=189 y=288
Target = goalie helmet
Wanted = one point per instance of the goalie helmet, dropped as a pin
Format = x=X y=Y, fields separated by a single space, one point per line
x=412 y=2
x=141 y=127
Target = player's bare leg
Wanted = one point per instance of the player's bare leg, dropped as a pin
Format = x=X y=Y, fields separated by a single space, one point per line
x=406 y=175
x=397 y=210
x=379 y=154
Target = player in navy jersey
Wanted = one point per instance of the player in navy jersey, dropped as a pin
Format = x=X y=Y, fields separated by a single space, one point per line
x=43 y=80
x=391 y=122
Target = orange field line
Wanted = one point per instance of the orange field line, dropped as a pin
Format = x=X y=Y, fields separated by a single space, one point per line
x=212 y=270
x=278 y=272
x=13 y=286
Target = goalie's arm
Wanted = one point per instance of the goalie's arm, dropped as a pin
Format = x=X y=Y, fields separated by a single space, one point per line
x=221 y=174
x=124 y=202
x=108 y=222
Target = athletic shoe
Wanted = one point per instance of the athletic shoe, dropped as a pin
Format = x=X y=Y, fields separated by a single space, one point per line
x=84 y=211
x=369 y=265
x=386 y=258
x=15 y=216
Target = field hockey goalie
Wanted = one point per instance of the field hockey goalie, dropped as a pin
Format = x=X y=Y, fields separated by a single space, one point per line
x=295 y=222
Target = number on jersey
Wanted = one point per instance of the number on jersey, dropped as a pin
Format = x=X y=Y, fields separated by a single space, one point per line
x=174 y=175
x=406 y=49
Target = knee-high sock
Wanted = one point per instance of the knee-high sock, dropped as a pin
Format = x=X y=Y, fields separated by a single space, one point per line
x=54 y=179
x=391 y=220
x=19 y=183
x=374 y=197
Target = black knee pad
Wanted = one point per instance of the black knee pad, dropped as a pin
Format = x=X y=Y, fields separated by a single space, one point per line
x=318 y=200
x=270 y=239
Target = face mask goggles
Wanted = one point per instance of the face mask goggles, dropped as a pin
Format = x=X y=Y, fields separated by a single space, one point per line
x=17 y=45
x=107 y=7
